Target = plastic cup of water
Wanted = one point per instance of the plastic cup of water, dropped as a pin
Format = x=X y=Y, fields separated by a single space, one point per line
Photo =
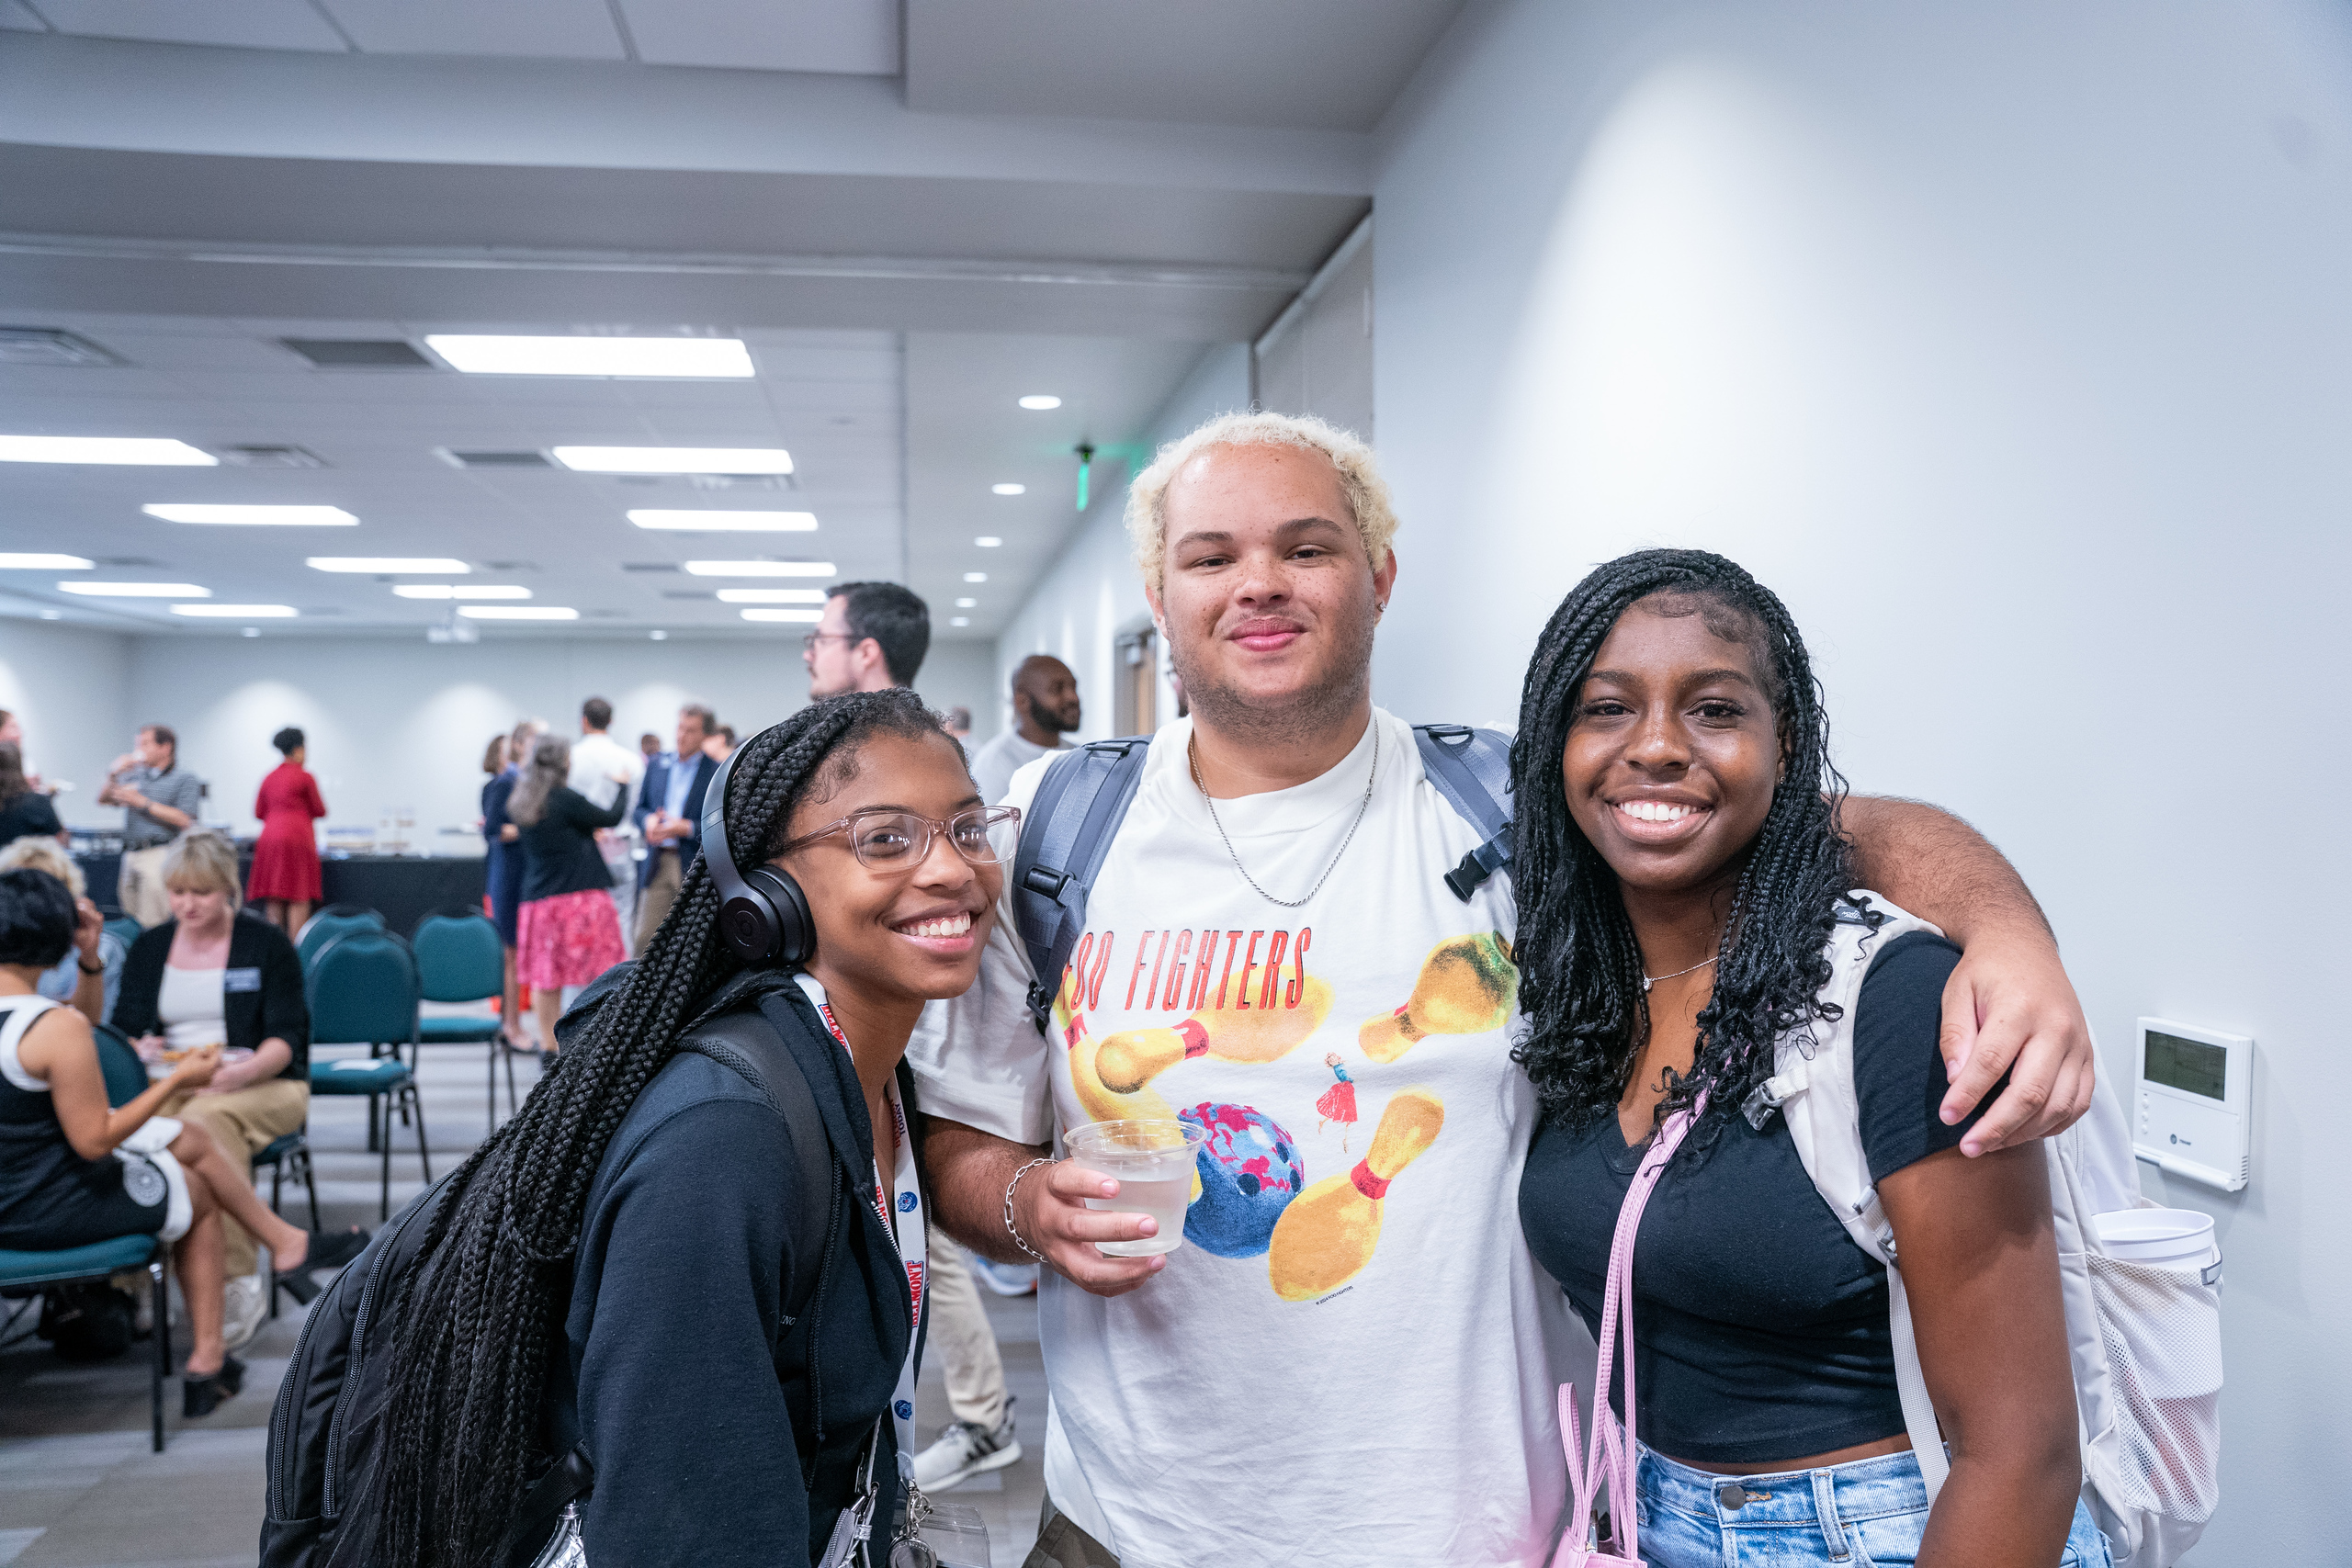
x=1151 y=1159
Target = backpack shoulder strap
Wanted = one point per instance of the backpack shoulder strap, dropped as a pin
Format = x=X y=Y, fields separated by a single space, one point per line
x=1472 y=768
x=1063 y=836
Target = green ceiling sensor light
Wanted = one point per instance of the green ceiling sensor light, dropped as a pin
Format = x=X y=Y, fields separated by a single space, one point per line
x=1085 y=470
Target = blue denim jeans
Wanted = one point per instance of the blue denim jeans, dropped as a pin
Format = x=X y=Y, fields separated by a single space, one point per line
x=1868 y=1514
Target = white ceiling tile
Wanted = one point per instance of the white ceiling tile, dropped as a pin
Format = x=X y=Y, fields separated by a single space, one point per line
x=244 y=24
x=551 y=29
x=857 y=37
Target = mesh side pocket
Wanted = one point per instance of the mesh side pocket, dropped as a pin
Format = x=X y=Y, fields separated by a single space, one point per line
x=2162 y=1328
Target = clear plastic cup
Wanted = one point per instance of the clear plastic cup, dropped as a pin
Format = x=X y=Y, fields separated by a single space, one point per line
x=1151 y=1159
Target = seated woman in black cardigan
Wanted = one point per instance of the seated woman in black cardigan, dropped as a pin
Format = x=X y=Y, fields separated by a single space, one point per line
x=206 y=977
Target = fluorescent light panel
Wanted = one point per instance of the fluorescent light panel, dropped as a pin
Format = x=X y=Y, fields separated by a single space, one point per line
x=137 y=451
x=760 y=568
x=456 y=591
x=382 y=565
x=279 y=516
x=800 y=618
x=959 y=620
x=136 y=589
x=967 y=603
x=771 y=595
x=986 y=541
x=975 y=577
x=727 y=522
x=707 y=357
x=236 y=612
x=1010 y=489
x=518 y=612
x=1038 y=402
x=675 y=459
x=37 y=562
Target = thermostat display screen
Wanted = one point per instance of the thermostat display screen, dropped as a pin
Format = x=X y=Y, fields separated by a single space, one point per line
x=2190 y=1065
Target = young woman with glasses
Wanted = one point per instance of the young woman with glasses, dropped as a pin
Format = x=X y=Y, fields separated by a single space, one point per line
x=610 y=1265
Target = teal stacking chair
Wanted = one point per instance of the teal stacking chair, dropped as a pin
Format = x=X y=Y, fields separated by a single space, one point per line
x=330 y=923
x=362 y=989
x=124 y=930
x=23 y=1273
x=460 y=959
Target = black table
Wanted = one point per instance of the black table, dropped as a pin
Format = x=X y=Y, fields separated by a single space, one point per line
x=401 y=888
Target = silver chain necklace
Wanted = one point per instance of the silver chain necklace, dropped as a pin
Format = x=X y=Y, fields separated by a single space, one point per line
x=1649 y=980
x=1192 y=754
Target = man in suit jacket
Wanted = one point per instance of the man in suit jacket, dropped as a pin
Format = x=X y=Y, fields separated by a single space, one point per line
x=669 y=813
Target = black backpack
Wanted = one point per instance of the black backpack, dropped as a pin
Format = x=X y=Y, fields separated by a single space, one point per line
x=325 y=1429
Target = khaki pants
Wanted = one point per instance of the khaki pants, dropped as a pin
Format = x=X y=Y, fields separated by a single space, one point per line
x=1061 y=1544
x=244 y=1122
x=961 y=1337
x=139 y=887
x=653 y=899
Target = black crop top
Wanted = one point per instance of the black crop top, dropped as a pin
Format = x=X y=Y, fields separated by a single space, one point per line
x=1762 y=1333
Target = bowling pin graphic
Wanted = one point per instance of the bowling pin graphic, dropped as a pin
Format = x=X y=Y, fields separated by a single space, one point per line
x=1327 y=1235
x=1133 y=1057
x=1467 y=987
x=1102 y=1103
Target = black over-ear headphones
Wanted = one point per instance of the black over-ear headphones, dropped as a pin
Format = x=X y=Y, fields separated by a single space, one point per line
x=762 y=914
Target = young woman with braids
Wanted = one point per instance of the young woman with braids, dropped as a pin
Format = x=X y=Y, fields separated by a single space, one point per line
x=1680 y=871
x=610 y=1265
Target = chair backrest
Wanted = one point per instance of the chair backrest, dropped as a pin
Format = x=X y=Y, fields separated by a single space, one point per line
x=459 y=957
x=332 y=922
x=125 y=929
x=363 y=987
x=126 y=1075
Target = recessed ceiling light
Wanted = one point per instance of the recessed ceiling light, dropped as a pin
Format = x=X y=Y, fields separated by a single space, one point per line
x=959 y=620
x=518 y=612
x=771 y=595
x=283 y=516
x=967 y=603
x=798 y=617
x=136 y=589
x=1039 y=402
x=136 y=450
x=1010 y=490
x=236 y=612
x=701 y=357
x=987 y=541
x=39 y=562
x=439 y=565
x=453 y=591
x=727 y=522
x=975 y=577
x=658 y=636
x=250 y=631
x=760 y=568
x=53 y=615
x=675 y=459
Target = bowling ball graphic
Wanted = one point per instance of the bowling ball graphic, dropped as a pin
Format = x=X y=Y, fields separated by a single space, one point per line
x=1249 y=1170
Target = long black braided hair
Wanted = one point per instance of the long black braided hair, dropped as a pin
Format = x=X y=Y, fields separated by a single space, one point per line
x=478 y=1317
x=1580 y=968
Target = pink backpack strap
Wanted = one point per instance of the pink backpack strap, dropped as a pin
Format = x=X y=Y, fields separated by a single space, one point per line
x=1610 y=1460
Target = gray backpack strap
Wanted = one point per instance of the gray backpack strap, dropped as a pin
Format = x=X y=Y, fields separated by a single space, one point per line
x=1472 y=768
x=1063 y=836
x=747 y=1042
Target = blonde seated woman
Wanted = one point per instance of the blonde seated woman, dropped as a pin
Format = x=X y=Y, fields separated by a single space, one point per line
x=89 y=975
x=210 y=978
x=74 y=1172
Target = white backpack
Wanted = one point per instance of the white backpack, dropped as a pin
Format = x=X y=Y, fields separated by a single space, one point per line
x=2145 y=1338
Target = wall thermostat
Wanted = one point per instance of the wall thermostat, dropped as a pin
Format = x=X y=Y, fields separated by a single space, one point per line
x=2195 y=1112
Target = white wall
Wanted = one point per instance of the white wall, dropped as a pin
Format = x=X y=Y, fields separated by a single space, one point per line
x=1078 y=610
x=2011 y=344
x=69 y=687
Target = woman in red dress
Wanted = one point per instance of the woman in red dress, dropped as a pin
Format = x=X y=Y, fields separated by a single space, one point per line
x=286 y=862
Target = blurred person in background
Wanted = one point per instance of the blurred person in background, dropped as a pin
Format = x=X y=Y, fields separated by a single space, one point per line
x=210 y=979
x=506 y=873
x=669 y=814
x=648 y=746
x=285 y=877
x=596 y=760
x=90 y=977
x=567 y=931
x=872 y=637
x=1045 y=709
x=23 y=808
x=12 y=733
x=160 y=800
x=958 y=722
x=721 y=744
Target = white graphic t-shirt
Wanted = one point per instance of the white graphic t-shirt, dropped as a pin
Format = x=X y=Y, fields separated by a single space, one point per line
x=1352 y=1358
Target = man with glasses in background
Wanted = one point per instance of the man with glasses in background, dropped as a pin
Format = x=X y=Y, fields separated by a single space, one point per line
x=872 y=637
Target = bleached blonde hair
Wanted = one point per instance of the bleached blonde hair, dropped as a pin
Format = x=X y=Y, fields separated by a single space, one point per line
x=38 y=852
x=204 y=862
x=1360 y=480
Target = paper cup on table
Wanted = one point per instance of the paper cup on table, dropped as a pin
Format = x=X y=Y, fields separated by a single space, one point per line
x=1151 y=1159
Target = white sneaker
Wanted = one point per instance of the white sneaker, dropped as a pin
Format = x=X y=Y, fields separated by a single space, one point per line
x=1005 y=1279
x=963 y=1451
x=245 y=1301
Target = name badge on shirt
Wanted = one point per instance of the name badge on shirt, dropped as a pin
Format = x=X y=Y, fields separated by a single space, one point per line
x=240 y=979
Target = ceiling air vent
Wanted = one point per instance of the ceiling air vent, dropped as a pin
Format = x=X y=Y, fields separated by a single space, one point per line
x=458 y=459
x=46 y=345
x=270 y=456
x=649 y=566
x=688 y=593
x=357 y=354
x=605 y=614
x=510 y=566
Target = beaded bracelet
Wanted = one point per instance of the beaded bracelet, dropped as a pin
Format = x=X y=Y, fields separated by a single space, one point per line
x=1009 y=1229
